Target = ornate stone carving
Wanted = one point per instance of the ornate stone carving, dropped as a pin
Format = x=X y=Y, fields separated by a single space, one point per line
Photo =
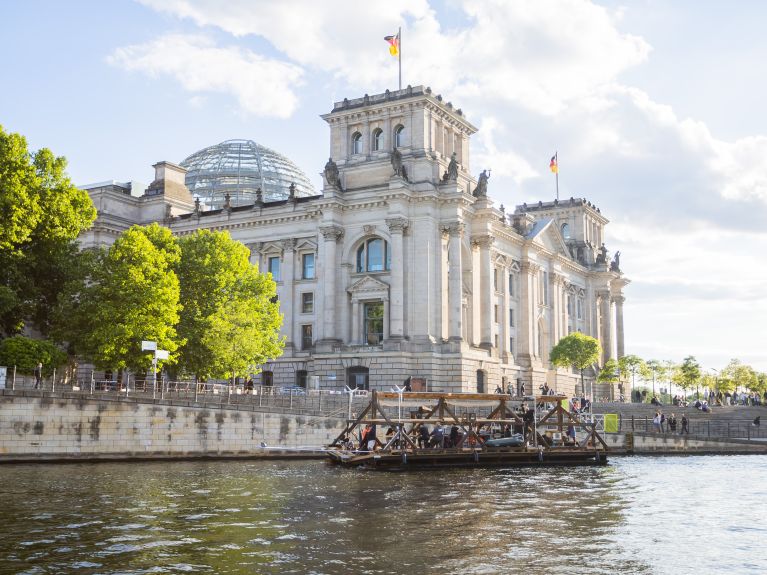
x=396 y=163
x=529 y=267
x=289 y=244
x=615 y=265
x=397 y=225
x=481 y=190
x=602 y=257
x=483 y=242
x=453 y=228
x=332 y=232
x=452 y=169
x=369 y=229
x=332 y=176
x=227 y=202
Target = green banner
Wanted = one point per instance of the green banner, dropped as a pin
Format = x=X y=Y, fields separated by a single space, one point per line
x=611 y=423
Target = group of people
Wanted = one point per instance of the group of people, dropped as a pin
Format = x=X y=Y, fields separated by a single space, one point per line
x=663 y=424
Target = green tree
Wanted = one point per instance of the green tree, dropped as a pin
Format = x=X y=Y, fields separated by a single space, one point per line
x=25 y=353
x=658 y=370
x=690 y=373
x=42 y=214
x=230 y=320
x=132 y=295
x=633 y=364
x=761 y=383
x=740 y=374
x=577 y=350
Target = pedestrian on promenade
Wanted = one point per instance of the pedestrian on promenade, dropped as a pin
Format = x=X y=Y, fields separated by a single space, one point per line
x=685 y=430
x=39 y=375
x=672 y=423
x=656 y=422
x=758 y=421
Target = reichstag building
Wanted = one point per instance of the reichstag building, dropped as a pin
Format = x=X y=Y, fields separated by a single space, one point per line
x=401 y=266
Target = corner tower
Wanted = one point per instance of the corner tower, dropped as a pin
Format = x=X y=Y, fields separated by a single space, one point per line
x=421 y=126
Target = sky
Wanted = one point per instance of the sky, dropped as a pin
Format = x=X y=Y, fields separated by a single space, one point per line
x=654 y=108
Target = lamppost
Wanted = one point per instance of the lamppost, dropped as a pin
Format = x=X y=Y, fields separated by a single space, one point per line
x=716 y=379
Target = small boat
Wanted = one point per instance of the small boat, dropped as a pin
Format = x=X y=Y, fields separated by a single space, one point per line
x=514 y=441
x=467 y=430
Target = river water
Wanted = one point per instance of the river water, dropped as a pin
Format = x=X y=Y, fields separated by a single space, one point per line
x=637 y=515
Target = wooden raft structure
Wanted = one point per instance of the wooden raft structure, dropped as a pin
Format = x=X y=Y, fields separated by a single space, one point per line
x=545 y=441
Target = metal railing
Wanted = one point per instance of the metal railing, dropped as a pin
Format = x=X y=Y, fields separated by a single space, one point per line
x=731 y=428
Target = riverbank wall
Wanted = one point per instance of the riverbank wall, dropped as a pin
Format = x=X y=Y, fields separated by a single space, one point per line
x=43 y=426
x=46 y=427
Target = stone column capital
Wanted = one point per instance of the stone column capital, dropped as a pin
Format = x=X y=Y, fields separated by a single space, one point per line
x=529 y=267
x=332 y=232
x=289 y=244
x=453 y=228
x=483 y=242
x=618 y=299
x=397 y=225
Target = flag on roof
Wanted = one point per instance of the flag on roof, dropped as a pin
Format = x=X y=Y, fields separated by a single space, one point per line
x=393 y=44
x=553 y=165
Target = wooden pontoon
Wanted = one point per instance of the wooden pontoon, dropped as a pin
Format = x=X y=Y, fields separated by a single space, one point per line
x=397 y=419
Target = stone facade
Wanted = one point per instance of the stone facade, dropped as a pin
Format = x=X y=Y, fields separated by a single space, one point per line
x=403 y=266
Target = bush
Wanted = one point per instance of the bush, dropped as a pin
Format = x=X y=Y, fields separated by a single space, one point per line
x=25 y=352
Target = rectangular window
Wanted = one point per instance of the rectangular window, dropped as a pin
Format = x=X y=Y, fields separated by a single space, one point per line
x=307 y=302
x=274 y=268
x=511 y=345
x=495 y=279
x=511 y=284
x=544 y=278
x=496 y=340
x=579 y=308
x=511 y=318
x=374 y=318
x=496 y=313
x=306 y=336
x=307 y=266
x=570 y=306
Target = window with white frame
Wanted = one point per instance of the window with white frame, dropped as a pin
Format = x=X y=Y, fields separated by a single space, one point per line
x=307 y=266
x=399 y=136
x=307 y=302
x=373 y=322
x=274 y=268
x=378 y=140
x=356 y=143
x=373 y=256
x=307 y=339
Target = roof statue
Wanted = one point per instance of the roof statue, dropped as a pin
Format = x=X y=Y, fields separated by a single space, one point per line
x=602 y=257
x=481 y=190
x=332 y=176
x=396 y=163
x=615 y=265
x=452 y=169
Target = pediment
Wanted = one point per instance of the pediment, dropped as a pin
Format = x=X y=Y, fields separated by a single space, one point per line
x=271 y=248
x=546 y=235
x=369 y=288
x=306 y=244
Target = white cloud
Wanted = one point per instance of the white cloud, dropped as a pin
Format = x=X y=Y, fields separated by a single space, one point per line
x=262 y=86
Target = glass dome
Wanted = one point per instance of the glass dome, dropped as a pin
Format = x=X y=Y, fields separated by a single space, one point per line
x=239 y=168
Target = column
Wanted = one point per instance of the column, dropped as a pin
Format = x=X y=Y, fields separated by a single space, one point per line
x=396 y=316
x=527 y=311
x=331 y=235
x=387 y=313
x=455 y=283
x=505 y=331
x=557 y=305
x=487 y=293
x=606 y=324
x=618 y=301
x=356 y=330
x=287 y=303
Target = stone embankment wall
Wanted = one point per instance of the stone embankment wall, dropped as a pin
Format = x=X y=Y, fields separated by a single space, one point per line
x=53 y=428
x=648 y=443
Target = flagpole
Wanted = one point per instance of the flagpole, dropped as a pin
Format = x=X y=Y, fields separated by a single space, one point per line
x=556 y=155
x=399 y=54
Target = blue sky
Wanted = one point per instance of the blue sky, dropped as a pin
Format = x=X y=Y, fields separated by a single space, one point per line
x=653 y=106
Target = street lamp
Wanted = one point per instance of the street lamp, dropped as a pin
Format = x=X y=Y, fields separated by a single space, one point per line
x=716 y=379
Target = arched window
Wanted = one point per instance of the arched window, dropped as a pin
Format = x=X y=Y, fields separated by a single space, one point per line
x=378 y=140
x=565 y=231
x=373 y=256
x=399 y=136
x=356 y=143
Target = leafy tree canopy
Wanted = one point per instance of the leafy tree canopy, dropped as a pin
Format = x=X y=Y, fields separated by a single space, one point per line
x=739 y=375
x=132 y=296
x=25 y=353
x=42 y=214
x=577 y=350
x=230 y=321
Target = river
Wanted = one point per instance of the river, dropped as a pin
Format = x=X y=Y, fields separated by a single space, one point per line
x=638 y=515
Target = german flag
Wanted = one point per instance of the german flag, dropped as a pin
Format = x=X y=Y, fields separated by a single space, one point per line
x=393 y=44
x=553 y=165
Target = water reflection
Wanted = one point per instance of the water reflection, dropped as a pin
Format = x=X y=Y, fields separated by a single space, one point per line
x=306 y=517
